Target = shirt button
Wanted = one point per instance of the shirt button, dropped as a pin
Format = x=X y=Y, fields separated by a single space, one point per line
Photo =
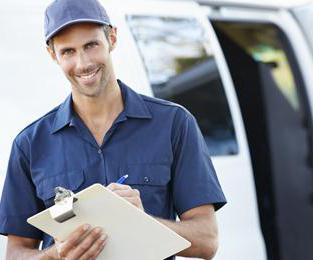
x=99 y=151
x=146 y=179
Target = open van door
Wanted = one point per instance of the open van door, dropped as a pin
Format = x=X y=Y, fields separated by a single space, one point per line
x=271 y=67
x=169 y=50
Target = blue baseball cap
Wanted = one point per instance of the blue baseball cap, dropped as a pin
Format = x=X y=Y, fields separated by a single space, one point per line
x=62 y=13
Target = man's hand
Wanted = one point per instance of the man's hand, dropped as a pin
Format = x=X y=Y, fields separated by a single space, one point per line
x=83 y=243
x=126 y=192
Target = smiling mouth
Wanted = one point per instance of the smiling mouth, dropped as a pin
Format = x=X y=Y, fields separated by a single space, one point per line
x=88 y=76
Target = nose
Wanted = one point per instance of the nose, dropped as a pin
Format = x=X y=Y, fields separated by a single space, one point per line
x=83 y=62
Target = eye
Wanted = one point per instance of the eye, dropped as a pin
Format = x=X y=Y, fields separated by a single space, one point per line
x=68 y=52
x=91 y=45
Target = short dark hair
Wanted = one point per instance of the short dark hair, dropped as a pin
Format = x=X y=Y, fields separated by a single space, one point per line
x=106 y=30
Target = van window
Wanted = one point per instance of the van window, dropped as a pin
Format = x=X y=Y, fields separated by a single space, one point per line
x=263 y=43
x=181 y=68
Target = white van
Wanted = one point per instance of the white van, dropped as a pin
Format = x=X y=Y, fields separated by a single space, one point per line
x=244 y=70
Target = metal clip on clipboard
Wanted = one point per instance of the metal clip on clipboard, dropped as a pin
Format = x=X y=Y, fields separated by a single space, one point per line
x=64 y=205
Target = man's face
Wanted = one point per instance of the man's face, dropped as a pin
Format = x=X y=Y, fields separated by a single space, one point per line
x=83 y=53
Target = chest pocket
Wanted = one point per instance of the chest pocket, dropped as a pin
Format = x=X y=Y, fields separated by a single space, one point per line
x=153 y=182
x=72 y=181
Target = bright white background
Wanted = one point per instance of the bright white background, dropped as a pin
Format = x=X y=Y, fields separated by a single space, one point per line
x=30 y=84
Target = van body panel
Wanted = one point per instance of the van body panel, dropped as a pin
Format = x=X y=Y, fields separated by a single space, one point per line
x=233 y=171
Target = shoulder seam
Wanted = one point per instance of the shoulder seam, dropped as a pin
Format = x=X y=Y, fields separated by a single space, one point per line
x=161 y=102
x=21 y=150
x=40 y=118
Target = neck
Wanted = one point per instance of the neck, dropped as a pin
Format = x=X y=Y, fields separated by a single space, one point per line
x=100 y=109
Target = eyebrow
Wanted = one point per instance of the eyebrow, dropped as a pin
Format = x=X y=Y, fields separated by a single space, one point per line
x=69 y=48
x=66 y=49
x=91 y=41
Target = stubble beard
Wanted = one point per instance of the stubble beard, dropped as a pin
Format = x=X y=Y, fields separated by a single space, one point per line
x=91 y=91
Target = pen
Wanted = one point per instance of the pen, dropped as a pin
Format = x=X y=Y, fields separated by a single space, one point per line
x=122 y=179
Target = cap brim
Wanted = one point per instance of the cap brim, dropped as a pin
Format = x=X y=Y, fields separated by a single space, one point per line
x=49 y=36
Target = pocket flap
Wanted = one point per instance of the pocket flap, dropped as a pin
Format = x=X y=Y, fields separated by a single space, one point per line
x=147 y=174
x=71 y=181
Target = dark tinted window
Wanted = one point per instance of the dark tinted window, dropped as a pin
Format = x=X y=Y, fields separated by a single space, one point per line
x=181 y=68
x=263 y=43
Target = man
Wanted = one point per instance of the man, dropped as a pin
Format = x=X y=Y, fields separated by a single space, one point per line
x=102 y=131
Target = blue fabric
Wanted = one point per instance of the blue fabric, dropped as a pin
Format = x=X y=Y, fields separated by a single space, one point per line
x=157 y=143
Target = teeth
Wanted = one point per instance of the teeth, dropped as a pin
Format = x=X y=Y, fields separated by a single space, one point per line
x=88 y=76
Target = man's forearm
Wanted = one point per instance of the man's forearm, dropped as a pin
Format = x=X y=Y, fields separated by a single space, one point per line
x=199 y=232
x=21 y=252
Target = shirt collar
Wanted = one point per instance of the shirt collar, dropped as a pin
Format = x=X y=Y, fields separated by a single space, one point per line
x=64 y=115
x=134 y=107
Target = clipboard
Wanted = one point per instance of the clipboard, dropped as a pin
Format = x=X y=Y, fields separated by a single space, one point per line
x=132 y=234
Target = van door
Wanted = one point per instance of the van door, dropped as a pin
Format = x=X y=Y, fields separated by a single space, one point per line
x=183 y=63
x=265 y=65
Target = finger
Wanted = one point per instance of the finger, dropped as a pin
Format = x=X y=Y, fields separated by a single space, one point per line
x=95 y=249
x=137 y=192
x=135 y=201
x=73 y=240
x=116 y=186
x=126 y=193
x=103 y=245
x=85 y=244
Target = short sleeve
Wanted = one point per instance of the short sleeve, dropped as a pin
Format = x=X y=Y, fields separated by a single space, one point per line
x=194 y=182
x=18 y=200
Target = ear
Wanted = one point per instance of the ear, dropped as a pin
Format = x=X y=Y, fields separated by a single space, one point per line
x=113 y=38
x=52 y=54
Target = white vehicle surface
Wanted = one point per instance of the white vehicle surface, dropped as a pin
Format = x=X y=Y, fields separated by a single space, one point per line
x=244 y=70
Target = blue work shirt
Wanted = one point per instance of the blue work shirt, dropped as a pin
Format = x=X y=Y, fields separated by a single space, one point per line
x=156 y=142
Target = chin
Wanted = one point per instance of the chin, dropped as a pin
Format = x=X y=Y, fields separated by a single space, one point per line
x=93 y=90
x=90 y=92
